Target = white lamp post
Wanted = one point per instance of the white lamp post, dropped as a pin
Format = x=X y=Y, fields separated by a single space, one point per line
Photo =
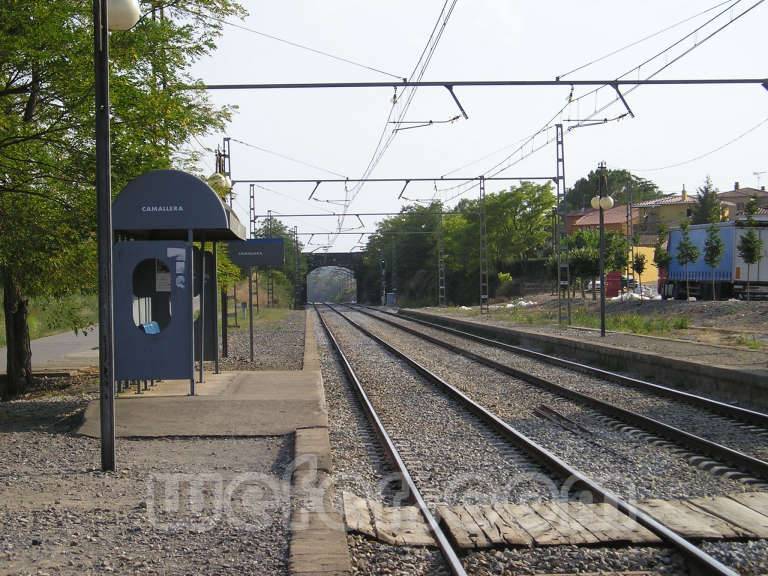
x=220 y=182
x=602 y=202
x=117 y=15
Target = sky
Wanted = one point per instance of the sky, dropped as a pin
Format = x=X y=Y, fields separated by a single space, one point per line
x=678 y=137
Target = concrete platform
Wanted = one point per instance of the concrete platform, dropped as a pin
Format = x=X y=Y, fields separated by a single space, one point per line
x=266 y=403
x=255 y=403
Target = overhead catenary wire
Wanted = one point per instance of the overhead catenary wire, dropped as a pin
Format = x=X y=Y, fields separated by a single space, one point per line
x=686 y=52
x=620 y=81
x=704 y=155
x=417 y=74
x=538 y=148
x=643 y=39
x=291 y=43
x=286 y=157
x=278 y=193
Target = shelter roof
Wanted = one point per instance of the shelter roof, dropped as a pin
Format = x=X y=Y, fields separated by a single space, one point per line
x=166 y=204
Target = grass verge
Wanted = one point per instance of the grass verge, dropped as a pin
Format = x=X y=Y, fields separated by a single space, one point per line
x=267 y=318
x=49 y=316
x=589 y=317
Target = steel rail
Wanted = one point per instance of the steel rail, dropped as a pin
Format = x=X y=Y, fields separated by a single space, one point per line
x=739 y=460
x=449 y=553
x=704 y=561
x=734 y=412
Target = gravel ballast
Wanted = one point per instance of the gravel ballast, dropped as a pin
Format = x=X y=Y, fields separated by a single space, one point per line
x=456 y=459
x=278 y=344
x=631 y=467
x=371 y=557
x=359 y=467
x=693 y=419
x=60 y=515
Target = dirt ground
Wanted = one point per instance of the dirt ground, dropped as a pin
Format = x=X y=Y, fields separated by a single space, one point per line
x=727 y=322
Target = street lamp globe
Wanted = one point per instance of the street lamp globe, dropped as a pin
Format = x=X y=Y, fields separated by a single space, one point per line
x=595 y=202
x=122 y=14
x=606 y=202
x=219 y=182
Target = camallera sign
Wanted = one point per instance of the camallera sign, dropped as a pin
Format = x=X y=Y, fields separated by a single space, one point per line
x=257 y=252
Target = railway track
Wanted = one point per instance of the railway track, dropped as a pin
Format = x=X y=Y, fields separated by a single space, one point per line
x=737 y=413
x=497 y=428
x=722 y=421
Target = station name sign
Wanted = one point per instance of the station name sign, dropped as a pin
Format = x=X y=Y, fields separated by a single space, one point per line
x=174 y=208
x=257 y=252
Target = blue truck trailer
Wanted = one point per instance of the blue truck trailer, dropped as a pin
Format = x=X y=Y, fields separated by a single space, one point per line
x=730 y=274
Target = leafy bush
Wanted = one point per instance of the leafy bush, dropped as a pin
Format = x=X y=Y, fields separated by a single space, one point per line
x=507 y=287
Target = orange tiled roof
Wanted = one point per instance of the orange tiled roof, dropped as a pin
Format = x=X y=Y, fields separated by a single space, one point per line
x=667 y=201
x=743 y=193
x=615 y=215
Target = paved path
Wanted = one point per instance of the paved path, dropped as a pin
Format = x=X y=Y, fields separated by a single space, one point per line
x=65 y=351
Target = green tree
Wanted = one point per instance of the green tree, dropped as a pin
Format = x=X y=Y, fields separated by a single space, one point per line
x=283 y=276
x=413 y=235
x=518 y=222
x=47 y=166
x=616 y=251
x=585 y=265
x=661 y=256
x=584 y=252
x=462 y=262
x=750 y=244
x=687 y=252
x=713 y=251
x=708 y=208
x=620 y=184
x=638 y=266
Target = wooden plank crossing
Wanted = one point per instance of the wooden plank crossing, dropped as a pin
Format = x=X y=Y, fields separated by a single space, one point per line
x=403 y=525
x=753 y=522
x=610 y=525
x=691 y=522
x=736 y=516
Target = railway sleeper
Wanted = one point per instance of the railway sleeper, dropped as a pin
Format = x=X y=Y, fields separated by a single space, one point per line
x=742 y=516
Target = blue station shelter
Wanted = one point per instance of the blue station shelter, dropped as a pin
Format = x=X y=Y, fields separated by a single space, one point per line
x=165 y=288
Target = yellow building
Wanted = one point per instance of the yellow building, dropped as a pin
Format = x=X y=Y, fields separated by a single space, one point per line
x=669 y=210
x=650 y=275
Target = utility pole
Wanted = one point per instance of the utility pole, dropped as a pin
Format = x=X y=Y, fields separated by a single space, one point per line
x=484 y=302
x=630 y=231
x=602 y=187
x=393 y=271
x=104 y=220
x=383 y=265
x=602 y=202
x=440 y=263
x=296 y=274
x=252 y=210
x=270 y=279
x=224 y=164
x=561 y=233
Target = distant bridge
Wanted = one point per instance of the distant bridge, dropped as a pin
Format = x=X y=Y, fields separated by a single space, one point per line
x=351 y=260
